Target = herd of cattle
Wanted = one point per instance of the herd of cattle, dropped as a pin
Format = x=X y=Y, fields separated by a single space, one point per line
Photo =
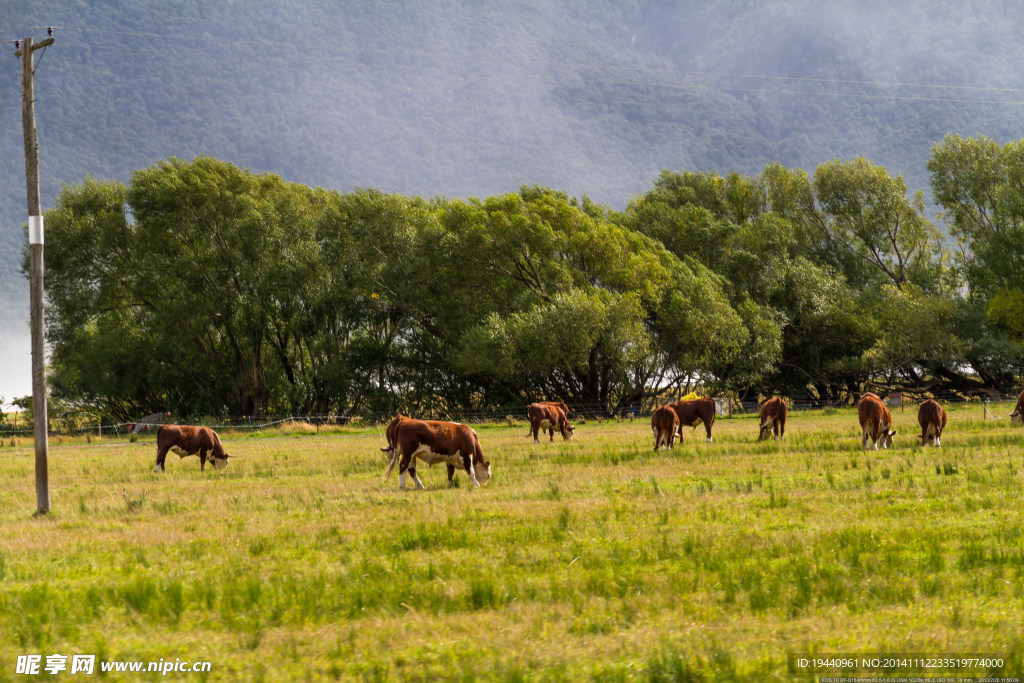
x=458 y=446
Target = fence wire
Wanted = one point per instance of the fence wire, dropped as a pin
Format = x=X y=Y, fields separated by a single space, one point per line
x=79 y=424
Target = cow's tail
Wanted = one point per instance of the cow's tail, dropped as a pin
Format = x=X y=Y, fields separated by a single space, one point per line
x=394 y=461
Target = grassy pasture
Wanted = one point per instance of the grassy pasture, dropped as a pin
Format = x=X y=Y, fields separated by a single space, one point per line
x=595 y=559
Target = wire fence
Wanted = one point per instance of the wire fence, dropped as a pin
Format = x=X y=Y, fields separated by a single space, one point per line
x=78 y=424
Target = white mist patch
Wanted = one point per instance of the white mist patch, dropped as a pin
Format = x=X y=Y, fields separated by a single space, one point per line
x=15 y=362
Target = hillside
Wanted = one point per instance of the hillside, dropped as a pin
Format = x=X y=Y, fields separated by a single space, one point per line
x=459 y=99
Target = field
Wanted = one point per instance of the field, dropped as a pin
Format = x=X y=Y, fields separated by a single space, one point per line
x=595 y=559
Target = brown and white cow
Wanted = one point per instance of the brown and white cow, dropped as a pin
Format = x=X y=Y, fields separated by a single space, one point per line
x=875 y=421
x=1017 y=416
x=185 y=440
x=693 y=412
x=548 y=415
x=773 y=418
x=932 y=418
x=665 y=425
x=434 y=441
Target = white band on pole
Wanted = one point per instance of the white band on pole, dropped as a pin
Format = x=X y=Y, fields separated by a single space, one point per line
x=35 y=229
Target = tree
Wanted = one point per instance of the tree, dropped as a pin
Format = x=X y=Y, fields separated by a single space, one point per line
x=721 y=224
x=181 y=306
x=867 y=213
x=981 y=188
x=592 y=312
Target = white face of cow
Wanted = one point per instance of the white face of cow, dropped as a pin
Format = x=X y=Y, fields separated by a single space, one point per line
x=569 y=433
x=219 y=463
x=886 y=439
x=482 y=470
x=1016 y=417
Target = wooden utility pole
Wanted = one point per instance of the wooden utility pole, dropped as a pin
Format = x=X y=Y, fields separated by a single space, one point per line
x=35 y=247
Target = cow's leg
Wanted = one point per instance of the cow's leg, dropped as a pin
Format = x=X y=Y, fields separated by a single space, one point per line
x=161 y=455
x=782 y=429
x=707 y=427
x=536 y=432
x=412 y=473
x=451 y=474
x=402 y=467
x=202 y=460
x=551 y=433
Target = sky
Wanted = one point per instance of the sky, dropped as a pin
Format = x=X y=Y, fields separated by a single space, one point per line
x=458 y=99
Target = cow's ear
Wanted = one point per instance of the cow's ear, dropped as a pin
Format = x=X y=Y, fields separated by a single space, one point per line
x=487 y=463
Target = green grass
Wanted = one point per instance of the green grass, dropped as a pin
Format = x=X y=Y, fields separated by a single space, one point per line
x=595 y=559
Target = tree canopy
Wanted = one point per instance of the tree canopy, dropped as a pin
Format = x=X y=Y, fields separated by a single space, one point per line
x=202 y=287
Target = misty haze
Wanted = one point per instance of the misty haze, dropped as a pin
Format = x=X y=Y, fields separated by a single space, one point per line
x=467 y=100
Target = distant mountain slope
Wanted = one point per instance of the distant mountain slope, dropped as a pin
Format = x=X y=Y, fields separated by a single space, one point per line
x=465 y=98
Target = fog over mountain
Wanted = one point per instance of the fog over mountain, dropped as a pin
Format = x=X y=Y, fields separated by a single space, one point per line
x=472 y=99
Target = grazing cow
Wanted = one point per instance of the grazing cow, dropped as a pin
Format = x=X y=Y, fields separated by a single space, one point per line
x=932 y=419
x=1017 y=416
x=695 y=411
x=875 y=421
x=185 y=440
x=773 y=418
x=548 y=416
x=664 y=424
x=433 y=442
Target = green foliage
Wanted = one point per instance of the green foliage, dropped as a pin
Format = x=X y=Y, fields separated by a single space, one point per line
x=1006 y=312
x=230 y=291
x=979 y=185
x=866 y=212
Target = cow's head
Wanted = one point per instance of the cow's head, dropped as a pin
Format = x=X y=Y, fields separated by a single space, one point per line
x=219 y=463
x=482 y=470
x=568 y=431
x=1017 y=417
x=886 y=438
x=766 y=429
